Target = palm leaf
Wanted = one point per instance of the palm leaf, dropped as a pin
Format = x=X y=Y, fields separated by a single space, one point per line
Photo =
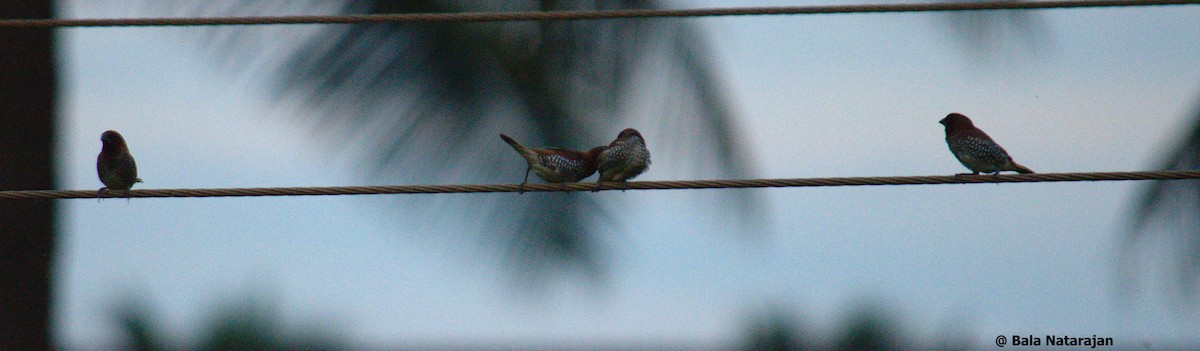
x=425 y=101
x=1173 y=205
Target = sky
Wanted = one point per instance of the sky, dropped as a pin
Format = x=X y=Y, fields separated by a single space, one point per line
x=816 y=96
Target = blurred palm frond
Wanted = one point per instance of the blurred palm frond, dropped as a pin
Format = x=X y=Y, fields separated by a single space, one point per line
x=246 y=322
x=424 y=102
x=988 y=34
x=1170 y=208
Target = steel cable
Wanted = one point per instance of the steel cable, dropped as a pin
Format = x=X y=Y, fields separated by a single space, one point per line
x=585 y=15
x=570 y=187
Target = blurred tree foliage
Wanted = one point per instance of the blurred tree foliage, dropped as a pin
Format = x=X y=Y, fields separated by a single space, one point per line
x=250 y=322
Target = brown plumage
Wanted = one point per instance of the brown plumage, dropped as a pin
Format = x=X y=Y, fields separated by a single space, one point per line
x=624 y=158
x=975 y=149
x=556 y=165
x=115 y=165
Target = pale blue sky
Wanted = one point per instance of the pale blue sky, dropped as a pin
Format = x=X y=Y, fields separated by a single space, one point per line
x=839 y=95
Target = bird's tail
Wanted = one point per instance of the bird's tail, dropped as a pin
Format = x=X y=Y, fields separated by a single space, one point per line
x=525 y=151
x=1014 y=166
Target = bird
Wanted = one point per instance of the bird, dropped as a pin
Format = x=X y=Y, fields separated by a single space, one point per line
x=975 y=149
x=115 y=165
x=624 y=158
x=556 y=165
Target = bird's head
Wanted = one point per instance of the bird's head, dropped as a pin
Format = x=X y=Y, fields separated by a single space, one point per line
x=112 y=142
x=630 y=133
x=956 y=121
x=112 y=137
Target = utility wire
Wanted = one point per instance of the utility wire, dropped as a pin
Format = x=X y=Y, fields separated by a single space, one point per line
x=648 y=185
x=586 y=15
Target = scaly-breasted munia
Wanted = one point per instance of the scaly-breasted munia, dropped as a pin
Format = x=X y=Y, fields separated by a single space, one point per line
x=975 y=149
x=556 y=165
x=115 y=165
x=624 y=158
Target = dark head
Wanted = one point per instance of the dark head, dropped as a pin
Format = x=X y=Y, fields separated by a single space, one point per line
x=629 y=133
x=956 y=121
x=112 y=139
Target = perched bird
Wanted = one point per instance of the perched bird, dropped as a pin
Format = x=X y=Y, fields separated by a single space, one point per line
x=115 y=164
x=975 y=149
x=624 y=158
x=556 y=165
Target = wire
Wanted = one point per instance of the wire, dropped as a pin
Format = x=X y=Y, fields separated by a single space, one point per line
x=592 y=15
x=586 y=15
x=649 y=185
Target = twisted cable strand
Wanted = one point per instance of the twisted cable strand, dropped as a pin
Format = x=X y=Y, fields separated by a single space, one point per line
x=585 y=15
x=571 y=187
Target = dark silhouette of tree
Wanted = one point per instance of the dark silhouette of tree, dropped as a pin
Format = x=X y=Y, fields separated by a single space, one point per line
x=27 y=237
x=138 y=321
x=870 y=327
x=248 y=321
x=776 y=330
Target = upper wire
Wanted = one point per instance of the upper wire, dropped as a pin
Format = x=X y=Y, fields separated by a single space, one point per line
x=584 y=15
